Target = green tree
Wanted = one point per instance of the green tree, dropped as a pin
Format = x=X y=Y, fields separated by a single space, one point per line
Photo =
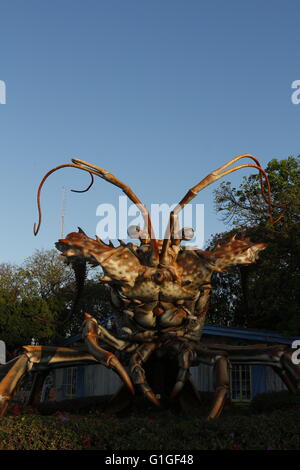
x=42 y=301
x=18 y=321
x=265 y=295
x=13 y=279
x=47 y=273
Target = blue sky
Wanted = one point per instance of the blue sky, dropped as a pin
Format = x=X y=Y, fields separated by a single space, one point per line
x=160 y=93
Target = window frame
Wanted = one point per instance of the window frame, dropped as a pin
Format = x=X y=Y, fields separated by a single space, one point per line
x=69 y=385
x=243 y=393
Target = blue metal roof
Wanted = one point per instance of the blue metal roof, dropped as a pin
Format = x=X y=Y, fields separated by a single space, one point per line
x=260 y=336
x=72 y=339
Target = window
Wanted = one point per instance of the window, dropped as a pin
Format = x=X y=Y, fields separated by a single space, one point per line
x=70 y=382
x=241 y=383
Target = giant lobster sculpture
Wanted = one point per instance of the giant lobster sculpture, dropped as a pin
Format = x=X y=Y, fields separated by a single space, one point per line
x=160 y=291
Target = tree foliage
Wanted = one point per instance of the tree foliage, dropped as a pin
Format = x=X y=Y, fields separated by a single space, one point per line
x=47 y=273
x=265 y=295
x=37 y=299
x=245 y=207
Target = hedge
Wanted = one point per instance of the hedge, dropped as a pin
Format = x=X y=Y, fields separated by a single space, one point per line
x=268 y=402
x=22 y=430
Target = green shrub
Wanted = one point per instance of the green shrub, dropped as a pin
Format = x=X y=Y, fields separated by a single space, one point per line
x=268 y=402
x=82 y=405
x=155 y=431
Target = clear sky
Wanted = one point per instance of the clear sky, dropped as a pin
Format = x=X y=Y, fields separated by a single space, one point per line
x=158 y=92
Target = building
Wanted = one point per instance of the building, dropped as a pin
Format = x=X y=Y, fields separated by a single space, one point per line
x=246 y=380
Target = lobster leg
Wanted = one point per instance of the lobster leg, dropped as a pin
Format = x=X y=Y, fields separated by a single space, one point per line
x=191 y=354
x=91 y=338
x=218 y=359
x=36 y=359
x=4 y=368
x=37 y=387
x=185 y=357
x=286 y=379
x=221 y=384
x=11 y=380
x=139 y=357
x=278 y=357
x=292 y=370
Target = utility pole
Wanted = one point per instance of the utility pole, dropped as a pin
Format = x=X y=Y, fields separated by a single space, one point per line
x=63 y=210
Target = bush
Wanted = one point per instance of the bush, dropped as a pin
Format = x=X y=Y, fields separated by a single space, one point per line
x=268 y=402
x=82 y=405
x=157 y=431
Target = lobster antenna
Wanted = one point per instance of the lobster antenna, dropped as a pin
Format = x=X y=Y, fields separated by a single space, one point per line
x=209 y=179
x=104 y=174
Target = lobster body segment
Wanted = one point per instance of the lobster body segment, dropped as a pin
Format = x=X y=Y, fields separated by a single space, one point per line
x=170 y=299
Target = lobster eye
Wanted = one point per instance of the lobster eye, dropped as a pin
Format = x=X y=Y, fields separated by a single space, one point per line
x=187 y=233
x=135 y=231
